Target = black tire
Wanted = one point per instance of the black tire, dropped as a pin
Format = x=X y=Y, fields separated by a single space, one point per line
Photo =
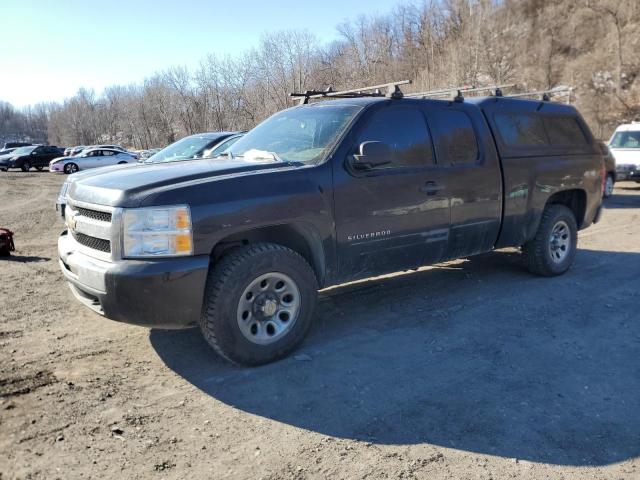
x=71 y=168
x=4 y=169
x=26 y=166
x=608 y=186
x=226 y=285
x=539 y=256
x=39 y=169
x=122 y=163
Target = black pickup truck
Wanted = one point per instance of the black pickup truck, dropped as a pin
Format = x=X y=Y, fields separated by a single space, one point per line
x=322 y=194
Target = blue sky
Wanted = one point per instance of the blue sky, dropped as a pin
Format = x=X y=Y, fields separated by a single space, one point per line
x=50 y=48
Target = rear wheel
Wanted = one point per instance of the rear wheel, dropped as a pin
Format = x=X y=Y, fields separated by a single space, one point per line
x=552 y=251
x=70 y=168
x=608 y=186
x=26 y=166
x=259 y=303
x=40 y=168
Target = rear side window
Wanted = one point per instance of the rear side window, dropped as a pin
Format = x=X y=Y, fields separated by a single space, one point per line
x=564 y=131
x=455 y=139
x=521 y=129
x=404 y=129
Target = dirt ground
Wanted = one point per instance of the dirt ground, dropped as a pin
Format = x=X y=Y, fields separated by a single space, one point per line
x=470 y=370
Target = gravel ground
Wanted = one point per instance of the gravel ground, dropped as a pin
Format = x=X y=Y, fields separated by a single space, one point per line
x=469 y=370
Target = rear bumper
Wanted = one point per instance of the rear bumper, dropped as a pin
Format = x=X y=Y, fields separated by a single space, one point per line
x=162 y=293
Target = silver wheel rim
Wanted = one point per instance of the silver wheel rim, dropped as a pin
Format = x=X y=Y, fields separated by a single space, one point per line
x=73 y=168
x=608 y=186
x=268 y=308
x=559 y=241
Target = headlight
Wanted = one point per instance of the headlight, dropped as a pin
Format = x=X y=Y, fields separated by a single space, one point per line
x=157 y=232
x=63 y=189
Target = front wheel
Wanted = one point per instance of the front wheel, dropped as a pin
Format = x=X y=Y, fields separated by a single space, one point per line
x=70 y=168
x=552 y=251
x=26 y=166
x=259 y=303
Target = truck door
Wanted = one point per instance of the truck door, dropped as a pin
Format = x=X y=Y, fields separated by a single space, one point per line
x=394 y=216
x=465 y=150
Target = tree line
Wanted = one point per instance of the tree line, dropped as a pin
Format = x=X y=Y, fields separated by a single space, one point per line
x=590 y=45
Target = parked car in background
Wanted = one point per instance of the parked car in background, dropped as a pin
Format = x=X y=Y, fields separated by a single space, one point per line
x=92 y=158
x=625 y=148
x=25 y=158
x=190 y=148
x=144 y=154
x=76 y=150
x=15 y=145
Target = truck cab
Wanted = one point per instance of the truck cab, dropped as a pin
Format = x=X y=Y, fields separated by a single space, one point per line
x=322 y=194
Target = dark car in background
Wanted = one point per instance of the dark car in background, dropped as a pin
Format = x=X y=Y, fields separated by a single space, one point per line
x=24 y=158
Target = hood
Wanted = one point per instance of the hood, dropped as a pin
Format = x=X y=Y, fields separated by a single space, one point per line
x=121 y=187
x=626 y=156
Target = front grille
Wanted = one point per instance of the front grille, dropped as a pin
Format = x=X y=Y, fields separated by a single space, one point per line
x=92 y=242
x=94 y=214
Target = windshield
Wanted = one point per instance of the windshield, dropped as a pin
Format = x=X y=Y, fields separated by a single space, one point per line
x=626 y=140
x=303 y=134
x=183 y=149
x=23 y=150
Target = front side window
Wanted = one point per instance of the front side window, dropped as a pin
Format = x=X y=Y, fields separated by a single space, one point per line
x=625 y=140
x=300 y=134
x=521 y=130
x=404 y=129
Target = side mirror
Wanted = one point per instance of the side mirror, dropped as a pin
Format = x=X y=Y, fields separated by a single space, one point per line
x=371 y=154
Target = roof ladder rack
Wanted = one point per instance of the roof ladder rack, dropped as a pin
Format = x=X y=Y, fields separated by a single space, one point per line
x=462 y=89
x=545 y=95
x=392 y=91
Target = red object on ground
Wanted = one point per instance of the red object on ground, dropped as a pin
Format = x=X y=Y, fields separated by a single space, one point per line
x=6 y=242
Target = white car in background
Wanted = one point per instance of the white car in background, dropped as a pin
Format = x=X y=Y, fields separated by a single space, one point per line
x=625 y=148
x=91 y=158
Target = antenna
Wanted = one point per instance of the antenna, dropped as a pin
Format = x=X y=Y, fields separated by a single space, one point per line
x=392 y=88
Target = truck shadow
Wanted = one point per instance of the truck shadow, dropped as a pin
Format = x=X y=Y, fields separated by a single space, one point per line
x=622 y=201
x=476 y=355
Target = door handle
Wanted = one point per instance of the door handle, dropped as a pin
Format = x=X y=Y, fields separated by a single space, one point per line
x=431 y=188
